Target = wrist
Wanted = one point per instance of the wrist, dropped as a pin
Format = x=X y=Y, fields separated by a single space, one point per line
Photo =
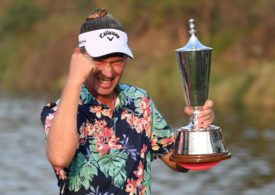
x=72 y=84
x=74 y=81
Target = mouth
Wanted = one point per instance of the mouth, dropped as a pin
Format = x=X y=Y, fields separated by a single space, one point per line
x=105 y=82
x=105 y=79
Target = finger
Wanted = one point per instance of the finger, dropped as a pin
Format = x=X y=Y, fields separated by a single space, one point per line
x=204 y=113
x=209 y=104
x=205 y=117
x=205 y=124
x=89 y=60
x=207 y=120
x=188 y=110
x=77 y=50
x=92 y=62
x=87 y=57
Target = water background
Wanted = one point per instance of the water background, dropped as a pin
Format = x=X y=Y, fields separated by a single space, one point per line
x=249 y=136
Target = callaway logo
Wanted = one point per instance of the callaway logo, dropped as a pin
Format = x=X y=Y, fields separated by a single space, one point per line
x=109 y=34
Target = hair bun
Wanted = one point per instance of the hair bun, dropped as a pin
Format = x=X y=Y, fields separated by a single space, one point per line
x=100 y=12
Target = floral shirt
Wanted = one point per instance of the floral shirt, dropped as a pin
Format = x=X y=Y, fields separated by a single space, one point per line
x=116 y=148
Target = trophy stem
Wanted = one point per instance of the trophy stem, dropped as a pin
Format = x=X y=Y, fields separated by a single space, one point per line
x=195 y=121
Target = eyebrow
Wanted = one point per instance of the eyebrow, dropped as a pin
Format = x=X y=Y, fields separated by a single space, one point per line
x=110 y=55
x=111 y=61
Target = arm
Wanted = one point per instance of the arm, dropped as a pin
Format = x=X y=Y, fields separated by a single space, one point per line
x=172 y=164
x=62 y=139
x=206 y=117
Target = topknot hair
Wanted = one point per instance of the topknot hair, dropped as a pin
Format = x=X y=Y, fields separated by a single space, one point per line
x=99 y=12
x=100 y=19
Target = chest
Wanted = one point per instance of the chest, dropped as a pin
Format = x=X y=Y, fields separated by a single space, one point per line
x=102 y=131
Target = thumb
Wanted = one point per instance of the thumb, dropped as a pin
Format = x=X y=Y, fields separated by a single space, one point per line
x=209 y=104
x=188 y=110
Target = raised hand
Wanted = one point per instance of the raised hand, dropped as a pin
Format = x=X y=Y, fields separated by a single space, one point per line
x=81 y=65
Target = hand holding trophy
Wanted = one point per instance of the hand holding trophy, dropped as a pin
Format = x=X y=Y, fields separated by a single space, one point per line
x=197 y=148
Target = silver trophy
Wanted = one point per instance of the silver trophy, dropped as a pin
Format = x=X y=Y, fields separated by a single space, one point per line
x=194 y=144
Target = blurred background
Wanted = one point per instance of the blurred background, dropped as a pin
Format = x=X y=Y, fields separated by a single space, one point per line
x=37 y=39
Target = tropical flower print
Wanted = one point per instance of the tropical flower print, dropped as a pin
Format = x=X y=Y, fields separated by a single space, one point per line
x=97 y=192
x=135 y=186
x=154 y=144
x=99 y=111
x=61 y=173
x=105 y=139
x=166 y=141
x=131 y=187
x=139 y=123
x=144 y=105
x=48 y=123
x=143 y=151
x=139 y=173
x=115 y=148
x=86 y=130
x=130 y=150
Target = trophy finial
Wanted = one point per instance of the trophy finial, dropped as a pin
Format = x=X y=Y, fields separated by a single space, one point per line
x=192 y=26
x=193 y=44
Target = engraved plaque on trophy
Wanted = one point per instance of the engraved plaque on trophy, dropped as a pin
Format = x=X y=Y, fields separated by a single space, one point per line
x=197 y=148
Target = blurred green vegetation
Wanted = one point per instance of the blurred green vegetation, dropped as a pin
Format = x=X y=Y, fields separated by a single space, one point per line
x=20 y=16
x=37 y=39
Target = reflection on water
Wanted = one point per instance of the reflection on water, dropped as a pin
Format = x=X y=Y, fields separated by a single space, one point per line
x=249 y=136
x=24 y=168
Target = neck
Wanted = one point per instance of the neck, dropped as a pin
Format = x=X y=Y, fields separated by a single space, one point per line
x=109 y=100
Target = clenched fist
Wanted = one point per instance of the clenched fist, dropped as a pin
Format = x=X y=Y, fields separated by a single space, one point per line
x=81 y=65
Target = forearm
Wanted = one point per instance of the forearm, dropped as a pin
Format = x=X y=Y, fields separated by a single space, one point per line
x=173 y=165
x=62 y=138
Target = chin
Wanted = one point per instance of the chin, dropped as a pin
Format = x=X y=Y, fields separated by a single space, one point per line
x=105 y=92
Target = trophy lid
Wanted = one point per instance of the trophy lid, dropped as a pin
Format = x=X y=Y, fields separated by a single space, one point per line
x=193 y=44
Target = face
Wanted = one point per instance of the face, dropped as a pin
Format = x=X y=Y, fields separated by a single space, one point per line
x=109 y=70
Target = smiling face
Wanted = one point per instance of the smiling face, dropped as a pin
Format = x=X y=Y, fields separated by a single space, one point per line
x=103 y=80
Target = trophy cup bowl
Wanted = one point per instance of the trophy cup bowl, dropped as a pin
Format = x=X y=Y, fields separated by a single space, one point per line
x=197 y=148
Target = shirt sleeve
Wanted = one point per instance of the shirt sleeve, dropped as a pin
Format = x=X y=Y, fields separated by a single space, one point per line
x=162 y=141
x=47 y=115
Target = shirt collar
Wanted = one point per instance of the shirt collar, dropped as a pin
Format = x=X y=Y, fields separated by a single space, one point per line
x=87 y=97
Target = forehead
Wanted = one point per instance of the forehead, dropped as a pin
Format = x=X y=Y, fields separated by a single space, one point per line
x=113 y=56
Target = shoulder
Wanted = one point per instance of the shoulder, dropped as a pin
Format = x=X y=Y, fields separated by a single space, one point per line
x=50 y=107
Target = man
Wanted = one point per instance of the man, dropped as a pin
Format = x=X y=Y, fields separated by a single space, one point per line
x=102 y=135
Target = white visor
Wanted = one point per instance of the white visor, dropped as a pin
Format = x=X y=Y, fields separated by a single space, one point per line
x=105 y=41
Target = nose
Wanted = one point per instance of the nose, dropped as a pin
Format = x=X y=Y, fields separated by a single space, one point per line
x=107 y=70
